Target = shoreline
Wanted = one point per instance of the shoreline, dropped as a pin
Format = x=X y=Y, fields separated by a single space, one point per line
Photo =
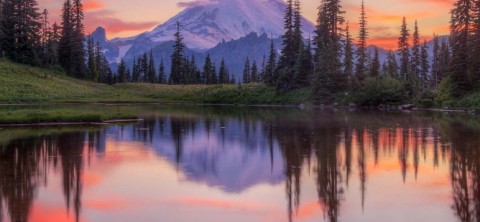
x=106 y=122
x=131 y=120
x=302 y=106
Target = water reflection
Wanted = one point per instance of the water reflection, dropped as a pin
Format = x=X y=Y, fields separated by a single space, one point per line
x=352 y=158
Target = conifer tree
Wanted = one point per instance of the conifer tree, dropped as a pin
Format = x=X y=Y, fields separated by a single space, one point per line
x=392 y=66
x=65 y=44
x=246 y=71
x=2 y=13
x=208 y=75
x=52 y=46
x=135 y=71
x=328 y=71
x=254 y=72
x=303 y=68
x=223 y=76
x=151 y=68
x=375 y=64
x=445 y=60
x=177 y=73
x=360 y=70
x=475 y=45
x=263 y=68
x=214 y=78
x=404 y=52
x=21 y=28
x=460 y=27
x=435 y=71
x=92 y=67
x=290 y=48
x=45 y=33
x=424 y=65
x=161 y=73
x=144 y=68
x=122 y=72
x=416 y=56
x=78 y=52
x=297 y=27
x=348 y=60
x=270 y=77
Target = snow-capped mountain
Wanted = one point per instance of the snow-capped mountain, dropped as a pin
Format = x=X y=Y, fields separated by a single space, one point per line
x=207 y=23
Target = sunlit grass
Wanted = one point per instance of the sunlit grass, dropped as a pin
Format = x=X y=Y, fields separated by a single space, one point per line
x=26 y=84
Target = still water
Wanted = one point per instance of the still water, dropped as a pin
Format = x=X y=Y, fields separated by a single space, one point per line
x=246 y=164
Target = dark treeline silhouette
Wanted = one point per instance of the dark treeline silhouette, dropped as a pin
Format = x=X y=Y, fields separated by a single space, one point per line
x=337 y=69
x=26 y=36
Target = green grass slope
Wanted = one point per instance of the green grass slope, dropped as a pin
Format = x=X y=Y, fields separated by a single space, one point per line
x=27 y=84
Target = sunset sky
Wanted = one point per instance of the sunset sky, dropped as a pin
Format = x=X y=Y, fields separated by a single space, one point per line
x=123 y=18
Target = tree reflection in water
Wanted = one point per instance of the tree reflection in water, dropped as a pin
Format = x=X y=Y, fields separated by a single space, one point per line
x=333 y=146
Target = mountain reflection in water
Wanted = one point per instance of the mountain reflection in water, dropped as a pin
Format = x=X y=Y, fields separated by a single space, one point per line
x=246 y=164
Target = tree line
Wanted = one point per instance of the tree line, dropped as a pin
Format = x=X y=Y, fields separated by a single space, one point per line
x=337 y=65
x=26 y=36
x=331 y=64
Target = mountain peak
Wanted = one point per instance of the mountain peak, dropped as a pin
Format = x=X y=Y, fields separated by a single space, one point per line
x=206 y=23
x=99 y=35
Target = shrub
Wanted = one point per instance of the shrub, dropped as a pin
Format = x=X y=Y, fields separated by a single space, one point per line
x=376 y=91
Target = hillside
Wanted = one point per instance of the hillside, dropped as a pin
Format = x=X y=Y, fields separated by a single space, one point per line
x=26 y=84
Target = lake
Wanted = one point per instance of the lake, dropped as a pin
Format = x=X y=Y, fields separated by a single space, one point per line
x=193 y=163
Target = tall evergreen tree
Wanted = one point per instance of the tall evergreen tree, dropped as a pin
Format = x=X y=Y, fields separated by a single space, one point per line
x=348 y=65
x=144 y=68
x=375 y=64
x=223 y=76
x=416 y=56
x=214 y=78
x=21 y=28
x=177 y=73
x=65 y=44
x=122 y=72
x=246 y=71
x=435 y=71
x=78 y=51
x=52 y=46
x=92 y=67
x=328 y=73
x=460 y=27
x=290 y=47
x=71 y=50
x=391 y=65
x=404 y=52
x=361 y=69
x=151 y=68
x=424 y=65
x=208 y=75
x=2 y=13
x=303 y=68
x=270 y=77
x=475 y=45
x=445 y=60
x=297 y=27
x=45 y=32
x=254 y=72
x=135 y=71
x=161 y=73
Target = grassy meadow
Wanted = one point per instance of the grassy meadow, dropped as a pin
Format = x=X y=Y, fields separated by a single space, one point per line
x=26 y=84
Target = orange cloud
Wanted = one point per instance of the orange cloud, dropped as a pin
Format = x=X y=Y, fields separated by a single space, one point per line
x=112 y=24
x=92 y=5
